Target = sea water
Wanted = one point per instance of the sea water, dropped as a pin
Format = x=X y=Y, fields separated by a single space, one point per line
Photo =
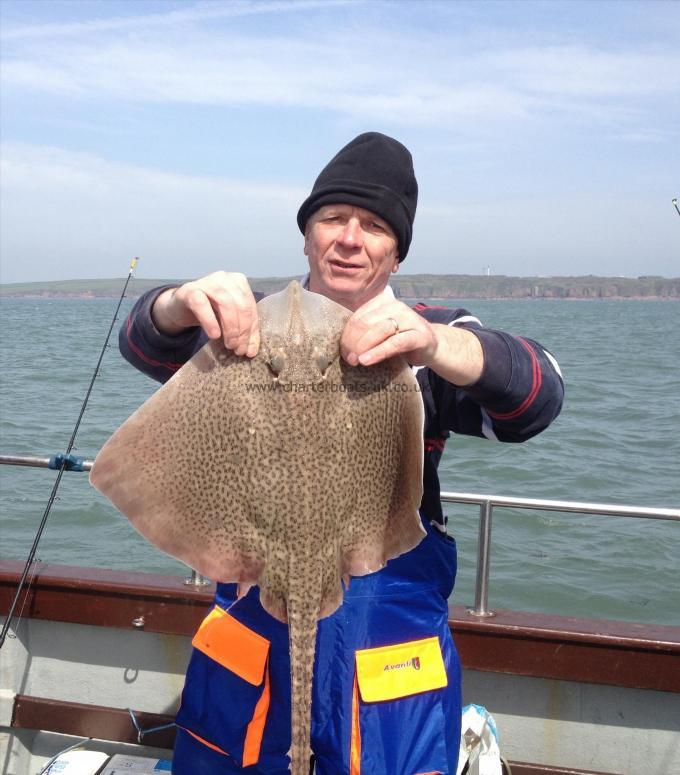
x=616 y=441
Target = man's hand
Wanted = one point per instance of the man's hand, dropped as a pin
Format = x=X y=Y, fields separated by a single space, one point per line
x=222 y=304
x=383 y=328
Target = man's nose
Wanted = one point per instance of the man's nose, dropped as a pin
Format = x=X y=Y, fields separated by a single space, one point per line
x=352 y=235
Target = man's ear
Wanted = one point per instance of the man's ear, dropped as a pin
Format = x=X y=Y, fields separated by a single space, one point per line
x=396 y=266
x=306 y=247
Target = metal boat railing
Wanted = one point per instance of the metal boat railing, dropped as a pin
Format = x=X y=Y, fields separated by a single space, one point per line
x=486 y=503
x=33 y=461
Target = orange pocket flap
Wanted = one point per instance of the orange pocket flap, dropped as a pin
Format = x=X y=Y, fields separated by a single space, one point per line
x=233 y=645
x=389 y=672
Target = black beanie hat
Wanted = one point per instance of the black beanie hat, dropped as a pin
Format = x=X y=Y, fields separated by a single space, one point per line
x=375 y=172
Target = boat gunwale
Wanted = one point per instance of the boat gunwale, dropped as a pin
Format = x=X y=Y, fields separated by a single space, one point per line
x=143 y=585
x=618 y=653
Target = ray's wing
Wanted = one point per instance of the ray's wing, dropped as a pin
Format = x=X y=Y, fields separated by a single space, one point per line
x=180 y=468
x=386 y=408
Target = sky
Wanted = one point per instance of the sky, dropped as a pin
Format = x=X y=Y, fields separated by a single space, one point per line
x=545 y=135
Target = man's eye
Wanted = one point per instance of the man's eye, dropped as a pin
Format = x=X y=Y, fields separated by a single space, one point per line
x=377 y=226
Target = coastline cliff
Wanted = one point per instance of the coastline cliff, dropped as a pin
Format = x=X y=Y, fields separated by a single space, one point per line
x=417 y=286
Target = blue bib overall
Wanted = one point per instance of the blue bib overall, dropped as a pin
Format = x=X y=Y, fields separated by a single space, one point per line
x=386 y=693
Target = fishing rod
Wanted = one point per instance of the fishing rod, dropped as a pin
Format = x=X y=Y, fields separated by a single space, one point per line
x=675 y=204
x=65 y=462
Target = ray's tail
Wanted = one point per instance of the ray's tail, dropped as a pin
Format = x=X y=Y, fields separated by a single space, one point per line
x=302 y=626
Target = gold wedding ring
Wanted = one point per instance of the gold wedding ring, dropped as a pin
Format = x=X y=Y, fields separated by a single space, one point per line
x=395 y=324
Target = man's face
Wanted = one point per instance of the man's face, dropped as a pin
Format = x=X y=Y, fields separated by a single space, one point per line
x=351 y=253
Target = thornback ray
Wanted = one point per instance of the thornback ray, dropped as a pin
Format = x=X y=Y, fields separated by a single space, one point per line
x=291 y=470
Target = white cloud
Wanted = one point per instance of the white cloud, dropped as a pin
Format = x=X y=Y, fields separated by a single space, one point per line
x=568 y=235
x=486 y=105
x=578 y=71
x=76 y=215
x=428 y=80
x=70 y=214
x=193 y=14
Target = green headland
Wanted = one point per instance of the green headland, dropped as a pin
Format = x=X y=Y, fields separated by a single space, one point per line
x=416 y=286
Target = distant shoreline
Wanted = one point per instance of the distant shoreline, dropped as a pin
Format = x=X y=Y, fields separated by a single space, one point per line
x=419 y=287
x=414 y=299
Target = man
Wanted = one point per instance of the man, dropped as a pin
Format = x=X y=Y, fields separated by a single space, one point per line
x=357 y=225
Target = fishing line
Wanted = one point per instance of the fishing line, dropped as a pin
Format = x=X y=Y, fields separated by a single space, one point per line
x=25 y=600
x=65 y=462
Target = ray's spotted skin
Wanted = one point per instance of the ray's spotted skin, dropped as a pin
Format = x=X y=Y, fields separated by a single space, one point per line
x=291 y=470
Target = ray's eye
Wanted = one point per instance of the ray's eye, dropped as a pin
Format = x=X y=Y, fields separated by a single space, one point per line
x=276 y=363
x=321 y=361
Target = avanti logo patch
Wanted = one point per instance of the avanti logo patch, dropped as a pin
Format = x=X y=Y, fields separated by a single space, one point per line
x=414 y=663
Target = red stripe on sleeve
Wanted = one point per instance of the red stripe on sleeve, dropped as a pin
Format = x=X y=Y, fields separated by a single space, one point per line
x=420 y=306
x=166 y=365
x=537 y=379
x=434 y=444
